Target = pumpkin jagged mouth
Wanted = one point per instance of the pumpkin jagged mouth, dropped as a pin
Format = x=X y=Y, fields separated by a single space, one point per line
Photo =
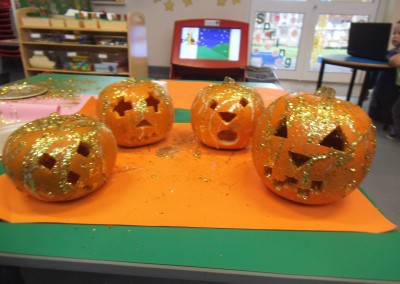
x=316 y=187
x=144 y=138
x=227 y=136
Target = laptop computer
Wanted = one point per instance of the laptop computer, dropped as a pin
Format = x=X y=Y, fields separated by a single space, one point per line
x=369 y=40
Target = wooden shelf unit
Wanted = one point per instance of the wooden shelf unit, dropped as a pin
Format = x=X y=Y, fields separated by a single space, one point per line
x=136 y=67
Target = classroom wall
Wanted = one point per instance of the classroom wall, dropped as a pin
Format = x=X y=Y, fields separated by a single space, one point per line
x=388 y=12
x=160 y=21
x=391 y=11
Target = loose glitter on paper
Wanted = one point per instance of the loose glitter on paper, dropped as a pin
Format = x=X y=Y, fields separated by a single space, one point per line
x=167 y=151
x=50 y=91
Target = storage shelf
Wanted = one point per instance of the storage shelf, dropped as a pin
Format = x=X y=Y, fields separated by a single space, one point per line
x=73 y=29
x=94 y=46
x=88 y=56
x=44 y=70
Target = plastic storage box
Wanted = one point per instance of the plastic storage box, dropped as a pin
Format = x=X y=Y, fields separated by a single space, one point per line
x=42 y=59
x=76 y=39
x=76 y=61
x=57 y=22
x=51 y=37
x=110 y=40
x=110 y=62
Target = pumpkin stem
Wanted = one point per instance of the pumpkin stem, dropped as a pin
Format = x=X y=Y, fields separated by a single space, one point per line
x=326 y=92
x=132 y=80
x=229 y=80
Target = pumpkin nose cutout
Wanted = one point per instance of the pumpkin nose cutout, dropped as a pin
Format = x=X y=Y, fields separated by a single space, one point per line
x=227 y=116
x=144 y=123
x=298 y=159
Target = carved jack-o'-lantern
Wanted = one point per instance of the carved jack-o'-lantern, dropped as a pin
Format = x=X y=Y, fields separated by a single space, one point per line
x=223 y=115
x=60 y=158
x=313 y=148
x=137 y=112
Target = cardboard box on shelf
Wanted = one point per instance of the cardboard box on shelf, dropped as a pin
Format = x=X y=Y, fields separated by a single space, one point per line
x=113 y=25
x=73 y=23
x=57 y=22
x=35 y=21
x=91 y=24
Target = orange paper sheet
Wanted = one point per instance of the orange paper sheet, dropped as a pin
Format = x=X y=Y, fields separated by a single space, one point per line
x=181 y=183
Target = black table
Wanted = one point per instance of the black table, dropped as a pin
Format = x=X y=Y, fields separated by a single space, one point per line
x=355 y=63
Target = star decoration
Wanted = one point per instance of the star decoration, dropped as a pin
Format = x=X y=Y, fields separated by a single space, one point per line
x=221 y=2
x=187 y=2
x=169 y=5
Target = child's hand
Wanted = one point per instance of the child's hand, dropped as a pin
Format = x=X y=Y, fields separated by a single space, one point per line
x=395 y=60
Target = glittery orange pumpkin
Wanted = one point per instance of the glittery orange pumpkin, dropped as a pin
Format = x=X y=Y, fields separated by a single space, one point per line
x=138 y=112
x=60 y=158
x=313 y=148
x=223 y=115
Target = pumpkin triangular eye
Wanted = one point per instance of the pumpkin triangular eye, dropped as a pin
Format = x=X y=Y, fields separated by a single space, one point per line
x=281 y=129
x=336 y=140
x=298 y=159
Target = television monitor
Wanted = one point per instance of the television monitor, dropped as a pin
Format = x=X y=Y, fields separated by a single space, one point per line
x=369 y=40
x=209 y=47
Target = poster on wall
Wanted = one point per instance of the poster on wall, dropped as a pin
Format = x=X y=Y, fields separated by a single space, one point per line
x=276 y=39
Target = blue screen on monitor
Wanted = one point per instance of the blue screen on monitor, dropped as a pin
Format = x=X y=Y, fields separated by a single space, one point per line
x=210 y=43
